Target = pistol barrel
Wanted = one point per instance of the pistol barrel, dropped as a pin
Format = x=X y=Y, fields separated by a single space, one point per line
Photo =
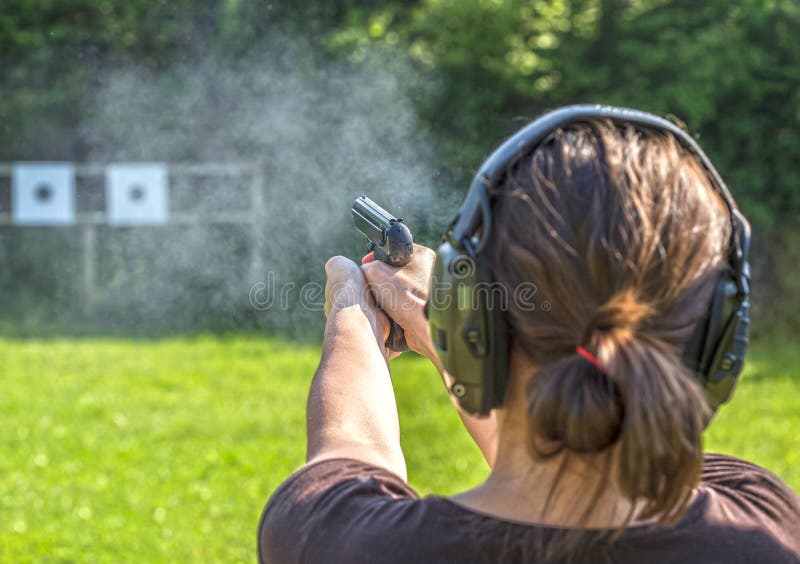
x=371 y=220
x=391 y=242
x=388 y=236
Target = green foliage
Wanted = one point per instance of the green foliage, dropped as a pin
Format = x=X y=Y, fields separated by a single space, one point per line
x=34 y=285
x=50 y=53
x=729 y=70
x=166 y=451
x=785 y=284
x=475 y=70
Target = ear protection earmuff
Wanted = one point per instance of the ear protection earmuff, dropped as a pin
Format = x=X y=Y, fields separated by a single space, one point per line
x=467 y=314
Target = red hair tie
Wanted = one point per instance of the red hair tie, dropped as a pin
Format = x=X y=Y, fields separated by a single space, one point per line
x=590 y=357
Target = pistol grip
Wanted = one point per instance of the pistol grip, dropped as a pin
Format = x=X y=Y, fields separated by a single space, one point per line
x=397 y=337
x=396 y=341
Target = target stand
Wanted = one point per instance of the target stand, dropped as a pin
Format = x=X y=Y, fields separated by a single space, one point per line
x=137 y=195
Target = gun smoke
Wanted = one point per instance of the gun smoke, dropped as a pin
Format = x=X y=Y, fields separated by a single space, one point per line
x=320 y=133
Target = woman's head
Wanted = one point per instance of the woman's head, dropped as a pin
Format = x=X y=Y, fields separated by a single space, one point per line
x=623 y=235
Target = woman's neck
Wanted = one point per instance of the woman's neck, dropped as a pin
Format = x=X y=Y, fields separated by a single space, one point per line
x=560 y=491
x=564 y=490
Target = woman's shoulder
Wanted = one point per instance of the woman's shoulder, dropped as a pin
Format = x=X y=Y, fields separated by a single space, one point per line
x=343 y=510
x=749 y=484
x=750 y=501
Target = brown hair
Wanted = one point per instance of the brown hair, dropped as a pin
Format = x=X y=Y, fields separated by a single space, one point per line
x=623 y=234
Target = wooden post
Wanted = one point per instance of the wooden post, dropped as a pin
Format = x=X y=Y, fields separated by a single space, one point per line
x=257 y=226
x=89 y=243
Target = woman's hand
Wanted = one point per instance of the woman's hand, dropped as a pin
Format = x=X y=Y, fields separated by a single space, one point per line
x=402 y=294
x=347 y=287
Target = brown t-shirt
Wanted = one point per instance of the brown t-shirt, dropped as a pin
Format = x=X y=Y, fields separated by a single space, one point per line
x=348 y=511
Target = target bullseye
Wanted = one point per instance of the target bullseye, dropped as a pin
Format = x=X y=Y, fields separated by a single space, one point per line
x=137 y=194
x=43 y=193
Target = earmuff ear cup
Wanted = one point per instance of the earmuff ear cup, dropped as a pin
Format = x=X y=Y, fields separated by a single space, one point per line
x=728 y=361
x=716 y=350
x=466 y=313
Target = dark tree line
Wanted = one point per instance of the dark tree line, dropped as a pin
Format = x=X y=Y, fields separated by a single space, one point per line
x=473 y=70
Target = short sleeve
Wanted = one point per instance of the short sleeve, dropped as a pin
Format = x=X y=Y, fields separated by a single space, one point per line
x=320 y=506
x=751 y=497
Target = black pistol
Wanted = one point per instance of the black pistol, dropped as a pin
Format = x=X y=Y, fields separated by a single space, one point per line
x=389 y=238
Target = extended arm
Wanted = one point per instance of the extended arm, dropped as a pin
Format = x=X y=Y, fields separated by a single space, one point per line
x=351 y=406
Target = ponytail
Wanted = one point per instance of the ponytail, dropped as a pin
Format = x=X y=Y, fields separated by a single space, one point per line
x=660 y=443
x=636 y=397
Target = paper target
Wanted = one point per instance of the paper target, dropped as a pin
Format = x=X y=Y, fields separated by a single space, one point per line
x=43 y=193
x=137 y=194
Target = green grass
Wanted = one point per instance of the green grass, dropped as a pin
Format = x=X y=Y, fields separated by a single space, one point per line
x=148 y=451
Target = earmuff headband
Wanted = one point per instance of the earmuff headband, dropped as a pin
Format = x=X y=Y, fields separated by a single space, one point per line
x=476 y=210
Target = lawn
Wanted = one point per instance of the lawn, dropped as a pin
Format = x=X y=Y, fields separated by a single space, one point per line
x=163 y=451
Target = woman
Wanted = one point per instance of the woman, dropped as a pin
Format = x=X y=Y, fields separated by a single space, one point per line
x=595 y=446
